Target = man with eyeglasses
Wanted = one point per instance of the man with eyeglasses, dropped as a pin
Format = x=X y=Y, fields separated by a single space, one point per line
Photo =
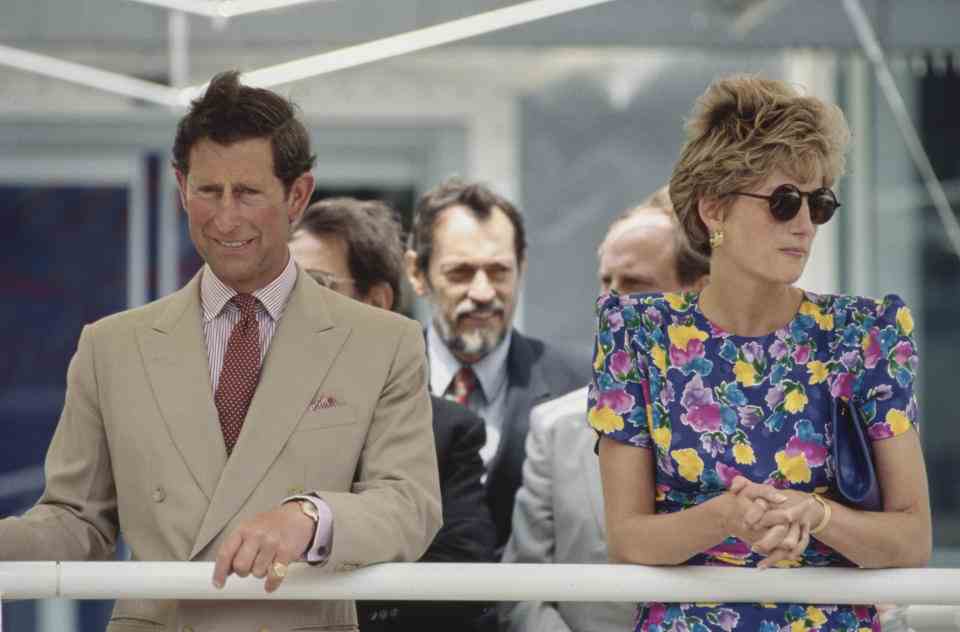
x=353 y=247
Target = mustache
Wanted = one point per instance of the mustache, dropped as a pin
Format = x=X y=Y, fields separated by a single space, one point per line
x=471 y=308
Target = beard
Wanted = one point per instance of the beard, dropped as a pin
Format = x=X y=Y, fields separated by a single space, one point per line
x=476 y=342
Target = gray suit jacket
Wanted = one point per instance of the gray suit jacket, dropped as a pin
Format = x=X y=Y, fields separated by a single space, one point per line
x=558 y=518
x=139 y=449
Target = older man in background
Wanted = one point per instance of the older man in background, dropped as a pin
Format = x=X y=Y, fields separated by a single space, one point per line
x=467 y=257
x=558 y=516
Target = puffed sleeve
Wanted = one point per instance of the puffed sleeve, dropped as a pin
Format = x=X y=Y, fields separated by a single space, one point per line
x=619 y=401
x=887 y=399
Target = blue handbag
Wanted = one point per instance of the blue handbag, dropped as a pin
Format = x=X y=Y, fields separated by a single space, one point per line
x=857 y=484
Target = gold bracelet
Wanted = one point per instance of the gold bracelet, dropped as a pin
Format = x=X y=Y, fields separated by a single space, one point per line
x=826 y=514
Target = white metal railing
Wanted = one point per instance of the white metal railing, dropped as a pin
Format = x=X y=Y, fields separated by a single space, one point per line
x=487 y=582
x=937 y=591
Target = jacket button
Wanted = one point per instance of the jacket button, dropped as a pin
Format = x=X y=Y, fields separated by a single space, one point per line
x=158 y=496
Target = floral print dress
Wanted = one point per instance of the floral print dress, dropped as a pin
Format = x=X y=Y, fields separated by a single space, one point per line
x=714 y=405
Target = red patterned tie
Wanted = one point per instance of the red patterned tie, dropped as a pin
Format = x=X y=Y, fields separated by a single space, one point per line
x=464 y=383
x=240 y=372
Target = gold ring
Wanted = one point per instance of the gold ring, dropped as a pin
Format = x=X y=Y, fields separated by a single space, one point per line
x=279 y=569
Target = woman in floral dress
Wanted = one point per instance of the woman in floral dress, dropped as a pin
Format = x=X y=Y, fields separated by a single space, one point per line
x=714 y=408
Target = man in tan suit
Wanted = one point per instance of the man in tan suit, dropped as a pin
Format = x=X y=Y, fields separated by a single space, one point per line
x=254 y=417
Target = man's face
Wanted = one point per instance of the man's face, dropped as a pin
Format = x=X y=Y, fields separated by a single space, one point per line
x=239 y=213
x=639 y=255
x=325 y=258
x=472 y=282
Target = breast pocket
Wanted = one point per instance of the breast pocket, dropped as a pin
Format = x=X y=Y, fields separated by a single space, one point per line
x=321 y=418
x=324 y=451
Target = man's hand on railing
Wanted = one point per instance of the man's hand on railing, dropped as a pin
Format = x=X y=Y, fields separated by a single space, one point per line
x=264 y=546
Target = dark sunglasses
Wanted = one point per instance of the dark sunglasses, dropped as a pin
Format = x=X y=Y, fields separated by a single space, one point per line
x=786 y=200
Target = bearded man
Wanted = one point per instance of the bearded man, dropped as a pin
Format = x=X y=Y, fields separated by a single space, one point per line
x=467 y=257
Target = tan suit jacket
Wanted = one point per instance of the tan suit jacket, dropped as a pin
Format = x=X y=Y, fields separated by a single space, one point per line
x=139 y=448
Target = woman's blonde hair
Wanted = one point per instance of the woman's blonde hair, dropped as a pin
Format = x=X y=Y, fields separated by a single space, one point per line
x=742 y=128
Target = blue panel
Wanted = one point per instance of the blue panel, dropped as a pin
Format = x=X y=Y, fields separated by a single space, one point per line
x=64 y=264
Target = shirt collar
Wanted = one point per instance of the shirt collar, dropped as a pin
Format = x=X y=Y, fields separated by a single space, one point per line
x=491 y=370
x=215 y=294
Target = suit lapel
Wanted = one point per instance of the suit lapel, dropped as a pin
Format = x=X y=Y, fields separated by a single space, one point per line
x=304 y=347
x=176 y=362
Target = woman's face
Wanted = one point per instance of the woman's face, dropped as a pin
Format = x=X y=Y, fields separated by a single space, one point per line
x=759 y=246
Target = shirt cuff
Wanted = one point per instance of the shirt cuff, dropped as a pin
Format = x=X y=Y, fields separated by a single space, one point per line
x=319 y=549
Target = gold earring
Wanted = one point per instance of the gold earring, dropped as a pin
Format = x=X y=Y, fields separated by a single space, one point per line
x=716 y=239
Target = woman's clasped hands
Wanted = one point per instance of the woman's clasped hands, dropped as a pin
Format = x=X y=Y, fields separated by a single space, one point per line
x=776 y=523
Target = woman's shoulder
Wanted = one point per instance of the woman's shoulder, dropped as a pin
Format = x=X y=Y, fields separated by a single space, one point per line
x=663 y=303
x=847 y=309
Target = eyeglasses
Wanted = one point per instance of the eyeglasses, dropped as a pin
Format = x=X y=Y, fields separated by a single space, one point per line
x=328 y=280
x=786 y=200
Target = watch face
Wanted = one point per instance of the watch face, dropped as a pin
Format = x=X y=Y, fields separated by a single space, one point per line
x=309 y=509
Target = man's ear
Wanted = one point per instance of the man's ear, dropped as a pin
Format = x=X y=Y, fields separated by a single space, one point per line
x=181 y=187
x=712 y=213
x=380 y=295
x=417 y=278
x=300 y=192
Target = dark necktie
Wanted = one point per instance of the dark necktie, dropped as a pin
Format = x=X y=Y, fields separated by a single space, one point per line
x=240 y=372
x=463 y=383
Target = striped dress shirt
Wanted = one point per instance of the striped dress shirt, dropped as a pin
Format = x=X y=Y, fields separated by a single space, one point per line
x=219 y=316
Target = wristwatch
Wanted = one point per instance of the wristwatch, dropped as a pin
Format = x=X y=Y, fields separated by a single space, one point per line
x=309 y=510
